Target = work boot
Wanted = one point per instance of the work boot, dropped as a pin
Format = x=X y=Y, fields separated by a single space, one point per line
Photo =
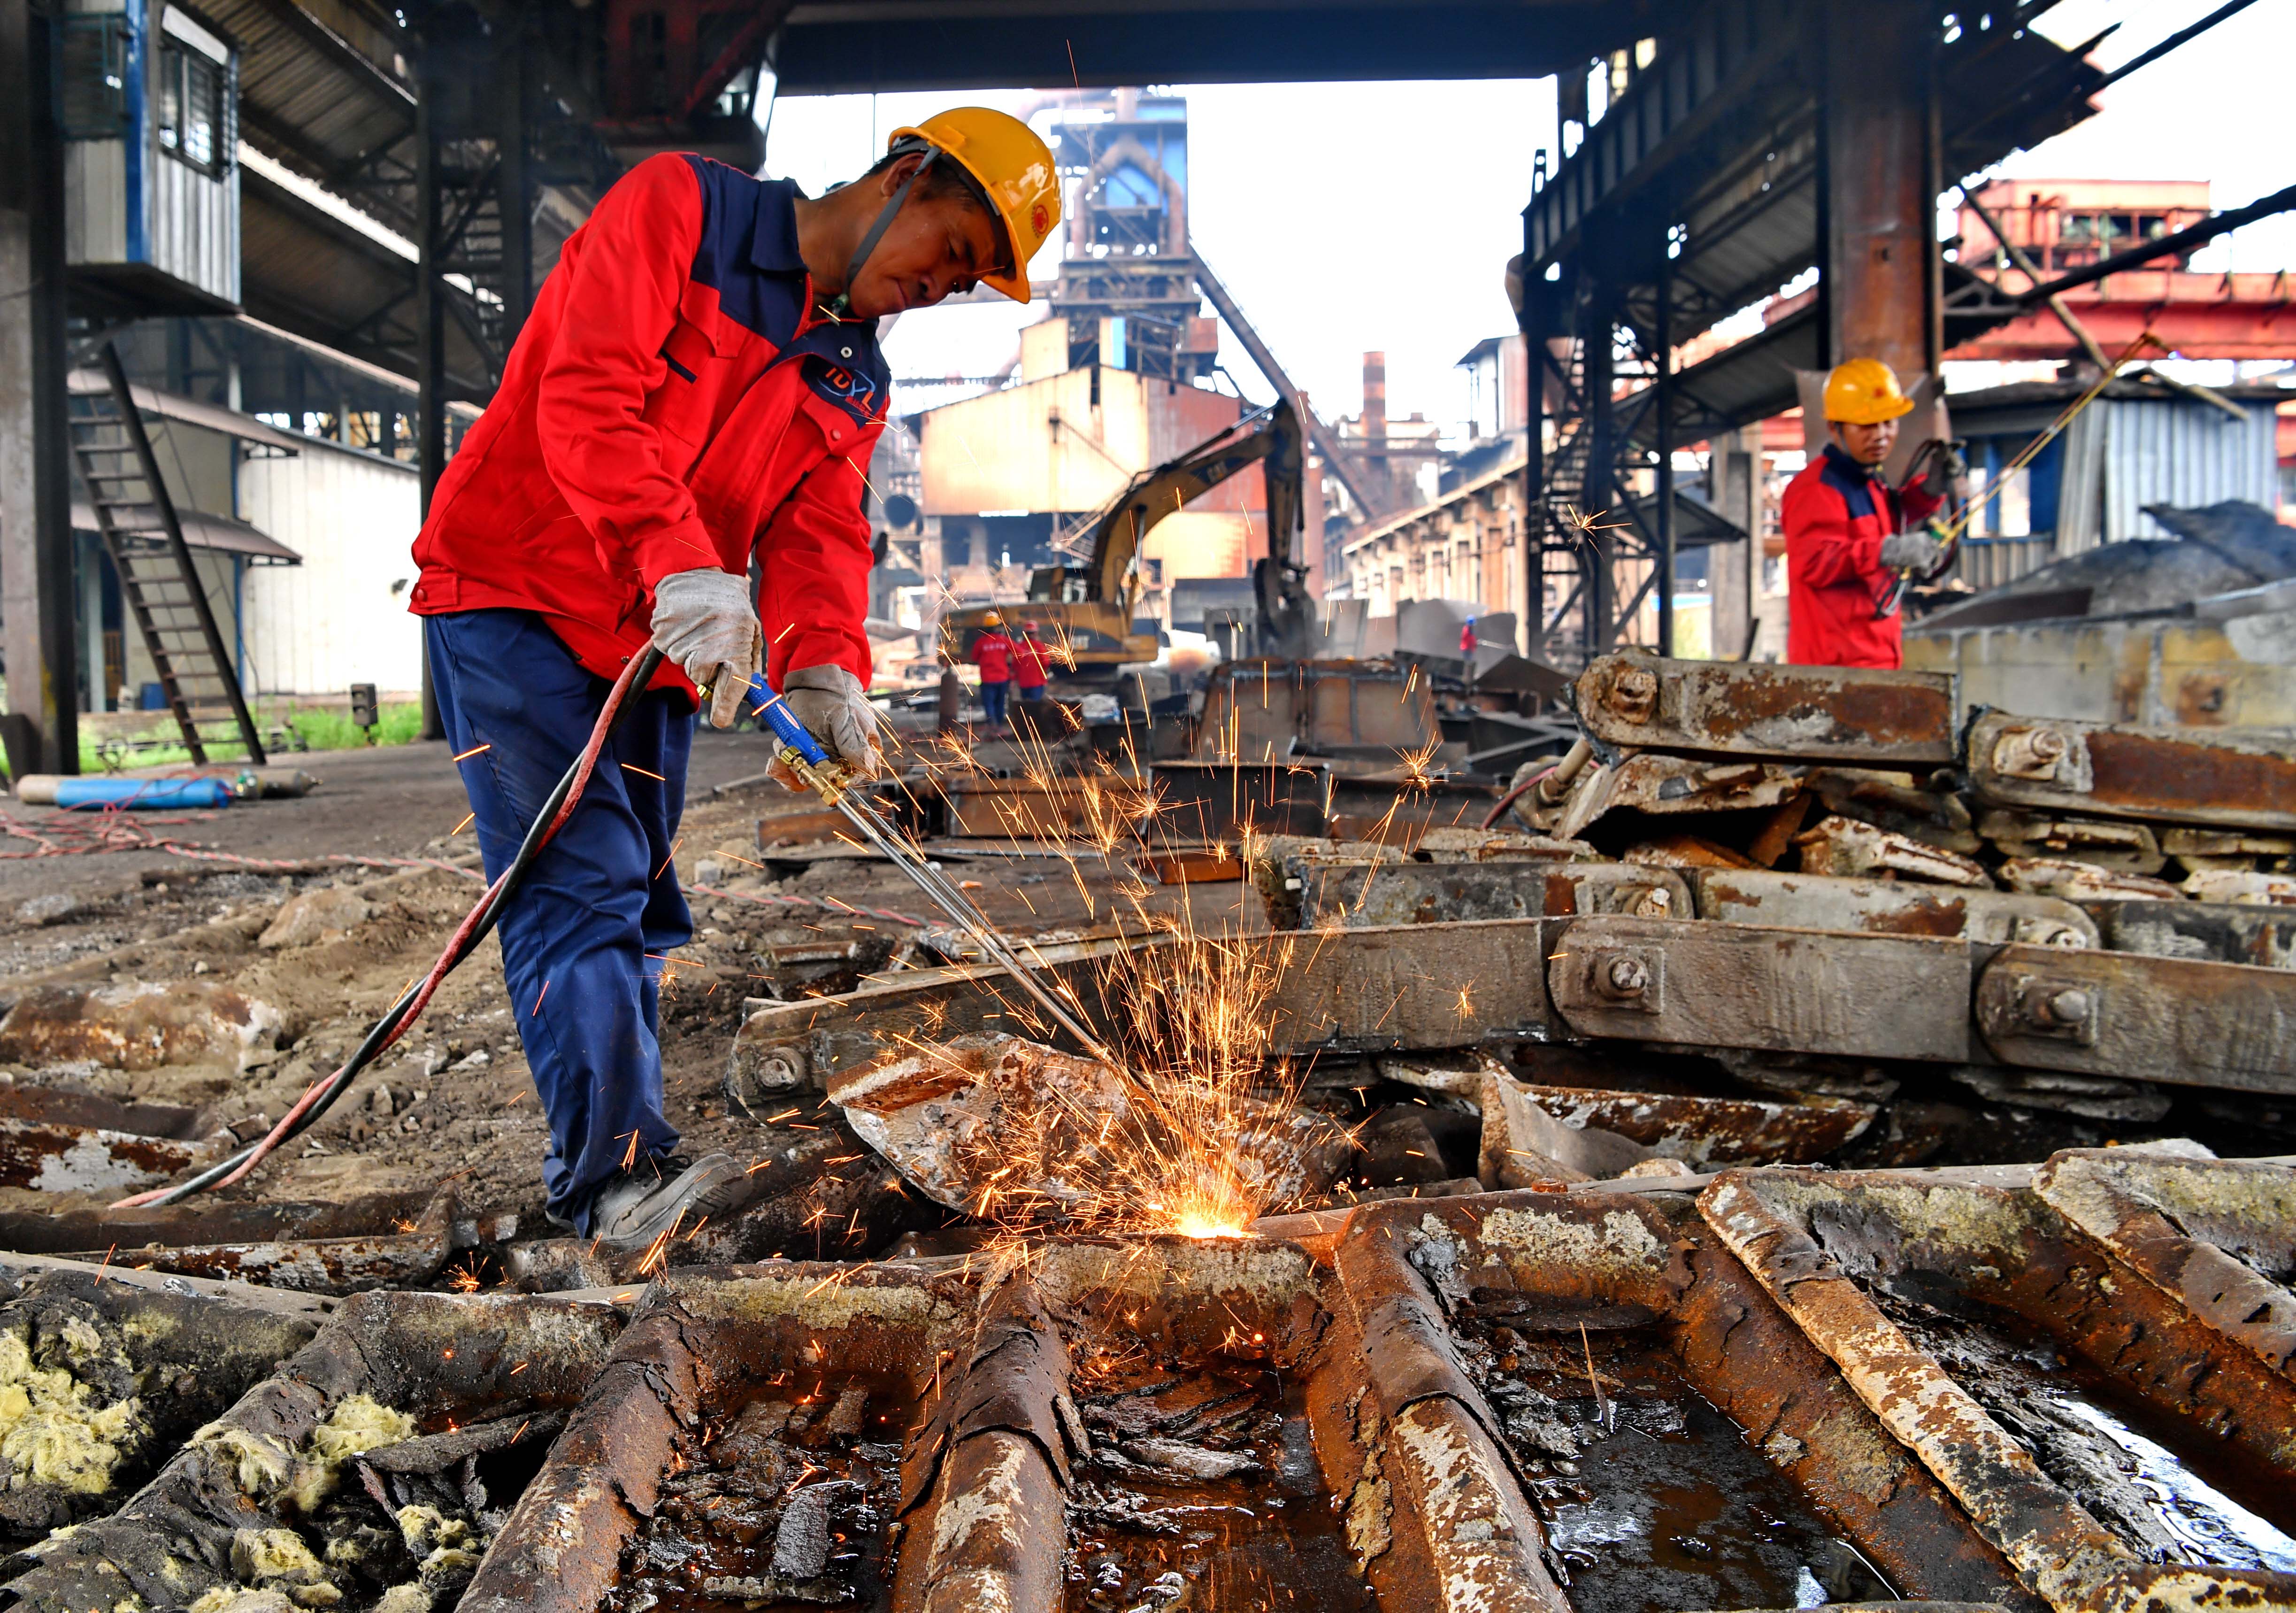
x=637 y=1205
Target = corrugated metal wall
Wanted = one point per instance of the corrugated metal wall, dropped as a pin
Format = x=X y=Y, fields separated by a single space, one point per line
x=95 y=214
x=2184 y=453
x=336 y=620
x=193 y=224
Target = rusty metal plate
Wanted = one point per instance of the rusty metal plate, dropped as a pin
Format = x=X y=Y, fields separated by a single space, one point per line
x=2217 y=932
x=2200 y=776
x=1707 y=1132
x=1795 y=713
x=1198 y=801
x=1424 y=893
x=51 y=1159
x=2166 y=1019
x=1020 y=808
x=1432 y=985
x=1733 y=985
x=1891 y=907
x=1661 y=784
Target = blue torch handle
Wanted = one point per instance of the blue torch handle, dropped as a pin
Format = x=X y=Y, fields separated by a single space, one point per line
x=785 y=726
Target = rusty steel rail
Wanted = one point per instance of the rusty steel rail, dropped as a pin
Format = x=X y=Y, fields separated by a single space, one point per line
x=1887 y=718
x=223 y=1512
x=2204 y=1233
x=2243 y=779
x=1804 y=1238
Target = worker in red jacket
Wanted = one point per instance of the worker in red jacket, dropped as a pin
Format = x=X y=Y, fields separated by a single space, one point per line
x=1847 y=529
x=992 y=654
x=1030 y=664
x=698 y=388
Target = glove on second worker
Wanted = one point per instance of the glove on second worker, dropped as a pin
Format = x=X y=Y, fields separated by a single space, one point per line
x=1909 y=551
x=835 y=709
x=704 y=620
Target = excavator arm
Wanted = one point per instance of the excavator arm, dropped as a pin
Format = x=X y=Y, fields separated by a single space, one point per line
x=1094 y=630
x=1271 y=434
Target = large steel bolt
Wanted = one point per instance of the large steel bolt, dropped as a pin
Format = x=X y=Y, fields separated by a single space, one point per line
x=1633 y=694
x=1625 y=977
x=2068 y=1005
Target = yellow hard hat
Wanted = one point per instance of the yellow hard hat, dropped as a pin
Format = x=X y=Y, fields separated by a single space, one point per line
x=992 y=619
x=1865 y=391
x=1013 y=169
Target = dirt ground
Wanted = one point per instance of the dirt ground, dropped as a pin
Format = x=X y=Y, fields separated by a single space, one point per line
x=452 y=1101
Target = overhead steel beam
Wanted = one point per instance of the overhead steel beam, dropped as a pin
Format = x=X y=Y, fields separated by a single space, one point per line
x=1350 y=474
x=1701 y=75
x=334 y=49
x=2199 y=235
x=857 y=46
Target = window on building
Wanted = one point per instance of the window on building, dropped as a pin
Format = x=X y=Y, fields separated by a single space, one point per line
x=189 y=105
x=92 y=73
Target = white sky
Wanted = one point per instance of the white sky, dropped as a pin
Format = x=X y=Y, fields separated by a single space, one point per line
x=1350 y=216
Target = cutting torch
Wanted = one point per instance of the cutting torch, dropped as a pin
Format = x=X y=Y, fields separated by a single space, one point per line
x=831 y=780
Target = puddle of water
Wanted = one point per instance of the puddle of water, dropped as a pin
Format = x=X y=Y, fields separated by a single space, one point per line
x=2195 y=1502
x=2214 y=1527
x=783 y=1505
x=1265 y=1537
x=1652 y=1498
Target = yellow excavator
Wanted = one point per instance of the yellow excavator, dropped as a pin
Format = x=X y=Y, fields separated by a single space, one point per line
x=1087 y=609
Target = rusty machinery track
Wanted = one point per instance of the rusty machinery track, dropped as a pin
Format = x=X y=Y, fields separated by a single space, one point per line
x=2008 y=1386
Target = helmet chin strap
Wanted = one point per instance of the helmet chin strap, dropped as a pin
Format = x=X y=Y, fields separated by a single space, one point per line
x=842 y=303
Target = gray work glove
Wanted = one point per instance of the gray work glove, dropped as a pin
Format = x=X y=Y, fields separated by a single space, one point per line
x=704 y=620
x=1915 y=552
x=835 y=710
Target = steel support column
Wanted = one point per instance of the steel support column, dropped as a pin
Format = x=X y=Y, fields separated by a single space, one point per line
x=36 y=613
x=1597 y=550
x=430 y=325
x=1530 y=319
x=1880 y=204
x=1663 y=576
x=515 y=179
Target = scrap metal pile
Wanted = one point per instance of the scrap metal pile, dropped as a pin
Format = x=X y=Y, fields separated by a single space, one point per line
x=1779 y=1168
x=2064 y=1387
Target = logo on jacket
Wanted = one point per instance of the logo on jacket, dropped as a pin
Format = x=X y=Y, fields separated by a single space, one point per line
x=848 y=388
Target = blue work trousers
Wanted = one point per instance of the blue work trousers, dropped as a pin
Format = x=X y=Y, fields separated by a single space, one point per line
x=993 y=695
x=584 y=937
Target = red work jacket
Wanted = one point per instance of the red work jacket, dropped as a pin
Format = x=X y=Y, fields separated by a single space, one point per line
x=674 y=402
x=992 y=653
x=1029 y=661
x=1835 y=515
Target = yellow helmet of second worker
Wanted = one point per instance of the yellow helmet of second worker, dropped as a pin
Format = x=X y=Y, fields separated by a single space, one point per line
x=1865 y=391
x=1014 y=171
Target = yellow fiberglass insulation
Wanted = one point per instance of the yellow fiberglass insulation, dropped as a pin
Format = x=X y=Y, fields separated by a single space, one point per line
x=277 y=1559
x=232 y=1599
x=359 y=1423
x=404 y=1599
x=49 y=1433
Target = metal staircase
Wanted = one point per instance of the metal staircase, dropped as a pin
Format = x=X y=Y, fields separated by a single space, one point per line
x=157 y=582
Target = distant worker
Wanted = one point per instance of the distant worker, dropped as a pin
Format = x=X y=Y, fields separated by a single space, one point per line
x=1847 y=537
x=698 y=386
x=1031 y=660
x=992 y=653
x=1467 y=640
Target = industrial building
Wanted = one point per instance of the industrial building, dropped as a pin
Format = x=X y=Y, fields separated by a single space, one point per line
x=1665 y=986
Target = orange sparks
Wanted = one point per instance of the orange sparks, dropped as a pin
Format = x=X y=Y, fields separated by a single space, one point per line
x=465 y=824
x=632 y=767
x=473 y=750
x=538 y=996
